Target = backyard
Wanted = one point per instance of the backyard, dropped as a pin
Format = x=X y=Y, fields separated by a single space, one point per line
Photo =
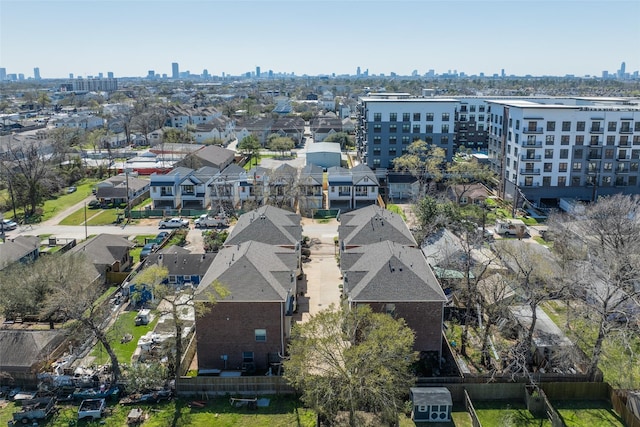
x=578 y=413
x=507 y=414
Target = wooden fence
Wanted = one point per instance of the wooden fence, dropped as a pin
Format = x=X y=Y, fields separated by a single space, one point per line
x=205 y=387
x=471 y=410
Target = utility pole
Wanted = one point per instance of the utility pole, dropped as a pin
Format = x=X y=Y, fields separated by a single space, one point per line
x=126 y=174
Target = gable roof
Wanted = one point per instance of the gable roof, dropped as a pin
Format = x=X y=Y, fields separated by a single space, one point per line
x=215 y=155
x=181 y=262
x=14 y=250
x=267 y=224
x=311 y=175
x=373 y=224
x=253 y=271
x=390 y=272
x=104 y=249
x=22 y=348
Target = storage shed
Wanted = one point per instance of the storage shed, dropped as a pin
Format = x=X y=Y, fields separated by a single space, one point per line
x=324 y=154
x=431 y=404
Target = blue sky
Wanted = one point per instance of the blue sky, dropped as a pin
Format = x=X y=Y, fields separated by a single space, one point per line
x=85 y=37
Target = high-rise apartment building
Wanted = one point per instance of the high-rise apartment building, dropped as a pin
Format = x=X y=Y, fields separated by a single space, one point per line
x=175 y=71
x=3 y=74
x=94 y=85
x=582 y=148
x=36 y=73
x=109 y=74
x=257 y=72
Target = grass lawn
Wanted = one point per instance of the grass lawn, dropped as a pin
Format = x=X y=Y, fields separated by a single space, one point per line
x=282 y=411
x=397 y=209
x=507 y=414
x=94 y=217
x=53 y=206
x=587 y=413
x=125 y=324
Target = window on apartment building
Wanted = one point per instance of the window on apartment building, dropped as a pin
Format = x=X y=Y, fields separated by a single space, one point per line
x=564 y=140
x=393 y=139
x=564 y=153
x=575 y=181
x=376 y=163
x=510 y=122
x=546 y=181
x=428 y=117
x=481 y=129
x=377 y=128
x=406 y=127
x=247 y=356
x=635 y=154
x=405 y=140
x=428 y=129
x=562 y=181
x=444 y=139
x=472 y=117
x=406 y=117
x=566 y=126
x=606 y=181
x=636 y=126
x=636 y=139
x=528 y=181
x=517 y=124
x=377 y=117
x=472 y=108
x=427 y=139
x=445 y=128
x=445 y=117
x=634 y=166
x=463 y=117
x=551 y=126
x=548 y=167
x=611 y=126
x=562 y=167
x=416 y=117
x=416 y=128
x=608 y=166
x=611 y=140
x=578 y=153
x=580 y=126
x=579 y=139
x=377 y=140
x=393 y=128
x=608 y=153
x=548 y=153
x=261 y=335
x=622 y=154
x=625 y=127
x=392 y=151
x=376 y=151
x=577 y=166
x=481 y=108
x=549 y=139
x=393 y=117
x=633 y=181
x=595 y=126
x=624 y=140
x=595 y=140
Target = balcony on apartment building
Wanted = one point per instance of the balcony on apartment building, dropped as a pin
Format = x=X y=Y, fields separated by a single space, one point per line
x=531 y=158
x=531 y=129
x=532 y=143
x=529 y=171
x=596 y=129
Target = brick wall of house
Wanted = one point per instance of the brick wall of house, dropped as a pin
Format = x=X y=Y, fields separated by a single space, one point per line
x=425 y=318
x=229 y=328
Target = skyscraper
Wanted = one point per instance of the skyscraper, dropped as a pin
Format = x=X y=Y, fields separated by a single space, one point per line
x=3 y=74
x=175 y=71
x=623 y=67
x=36 y=73
x=258 y=72
x=109 y=74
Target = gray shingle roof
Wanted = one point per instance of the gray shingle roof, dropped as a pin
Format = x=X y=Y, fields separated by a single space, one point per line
x=373 y=224
x=104 y=249
x=14 y=250
x=389 y=272
x=181 y=263
x=253 y=271
x=267 y=224
x=21 y=349
x=311 y=175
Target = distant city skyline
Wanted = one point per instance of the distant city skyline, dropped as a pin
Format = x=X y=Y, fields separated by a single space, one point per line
x=314 y=37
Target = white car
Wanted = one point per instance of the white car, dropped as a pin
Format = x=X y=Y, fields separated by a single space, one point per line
x=8 y=224
x=174 y=223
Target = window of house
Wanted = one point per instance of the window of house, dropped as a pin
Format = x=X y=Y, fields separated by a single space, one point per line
x=416 y=117
x=377 y=117
x=580 y=126
x=406 y=117
x=247 y=356
x=551 y=126
x=393 y=117
x=445 y=117
x=564 y=140
x=428 y=117
x=261 y=335
x=611 y=127
x=566 y=126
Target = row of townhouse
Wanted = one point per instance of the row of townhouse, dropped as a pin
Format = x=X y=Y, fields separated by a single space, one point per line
x=263 y=127
x=283 y=186
x=543 y=148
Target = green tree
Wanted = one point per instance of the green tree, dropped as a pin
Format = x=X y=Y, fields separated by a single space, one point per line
x=176 y=302
x=43 y=100
x=281 y=144
x=423 y=161
x=352 y=360
x=464 y=174
x=342 y=138
x=249 y=145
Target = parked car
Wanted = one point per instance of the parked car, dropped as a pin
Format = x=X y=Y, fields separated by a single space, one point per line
x=147 y=249
x=71 y=189
x=94 y=204
x=162 y=236
x=206 y=221
x=8 y=224
x=174 y=223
